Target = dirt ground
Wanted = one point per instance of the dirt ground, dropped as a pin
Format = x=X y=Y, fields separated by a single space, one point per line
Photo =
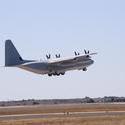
x=89 y=120
x=79 y=120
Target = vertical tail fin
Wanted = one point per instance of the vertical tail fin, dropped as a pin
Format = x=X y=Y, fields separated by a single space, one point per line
x=12 y=57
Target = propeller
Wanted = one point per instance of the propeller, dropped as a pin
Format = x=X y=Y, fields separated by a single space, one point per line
x=76 y=53
x=57 y=56
x=86 y=52
x=48 y=56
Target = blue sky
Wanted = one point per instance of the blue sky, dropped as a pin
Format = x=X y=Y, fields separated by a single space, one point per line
x=37 y=27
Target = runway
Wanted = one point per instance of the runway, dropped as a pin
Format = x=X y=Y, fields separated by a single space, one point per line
x=50 y=115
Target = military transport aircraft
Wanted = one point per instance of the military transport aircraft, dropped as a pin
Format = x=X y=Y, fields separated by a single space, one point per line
x=57 y=66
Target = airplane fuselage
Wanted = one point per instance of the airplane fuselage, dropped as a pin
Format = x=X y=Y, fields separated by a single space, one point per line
x=43 y=67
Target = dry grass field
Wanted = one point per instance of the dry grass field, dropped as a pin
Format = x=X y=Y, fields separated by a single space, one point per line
x=89 y=120
x=60 y=108
x=67 y=120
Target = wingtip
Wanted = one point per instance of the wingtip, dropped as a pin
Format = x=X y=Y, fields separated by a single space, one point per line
x=93 y=53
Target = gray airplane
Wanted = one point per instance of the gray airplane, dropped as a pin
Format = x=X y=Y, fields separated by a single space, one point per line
x=57 y=66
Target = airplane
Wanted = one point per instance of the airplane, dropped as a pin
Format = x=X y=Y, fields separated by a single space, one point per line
x=56 y=67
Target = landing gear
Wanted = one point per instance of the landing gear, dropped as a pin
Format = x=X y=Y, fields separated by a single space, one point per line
x=49 y=74
x=63 y=73
x=56 y=74
x=84 y=69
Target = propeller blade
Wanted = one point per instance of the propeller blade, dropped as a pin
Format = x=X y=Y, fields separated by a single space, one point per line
x=85 y=51
x=48 y=56
x=75 y=53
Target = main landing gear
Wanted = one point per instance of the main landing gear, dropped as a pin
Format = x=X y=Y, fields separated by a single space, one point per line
x=84 y=69
x=56 y=74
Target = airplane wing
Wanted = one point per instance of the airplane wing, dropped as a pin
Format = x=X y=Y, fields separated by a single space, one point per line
x=68 y=60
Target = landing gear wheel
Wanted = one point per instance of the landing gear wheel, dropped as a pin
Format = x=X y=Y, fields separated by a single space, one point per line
x=85 y=69
x=63 y=73
x=49 y=74
x=58 y=74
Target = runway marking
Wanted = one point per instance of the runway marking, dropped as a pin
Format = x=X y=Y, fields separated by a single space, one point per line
x=45 y=115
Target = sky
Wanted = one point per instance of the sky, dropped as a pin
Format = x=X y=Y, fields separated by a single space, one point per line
x=38 y=27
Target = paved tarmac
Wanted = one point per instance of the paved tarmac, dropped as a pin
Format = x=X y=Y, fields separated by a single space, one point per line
x=67 y=114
